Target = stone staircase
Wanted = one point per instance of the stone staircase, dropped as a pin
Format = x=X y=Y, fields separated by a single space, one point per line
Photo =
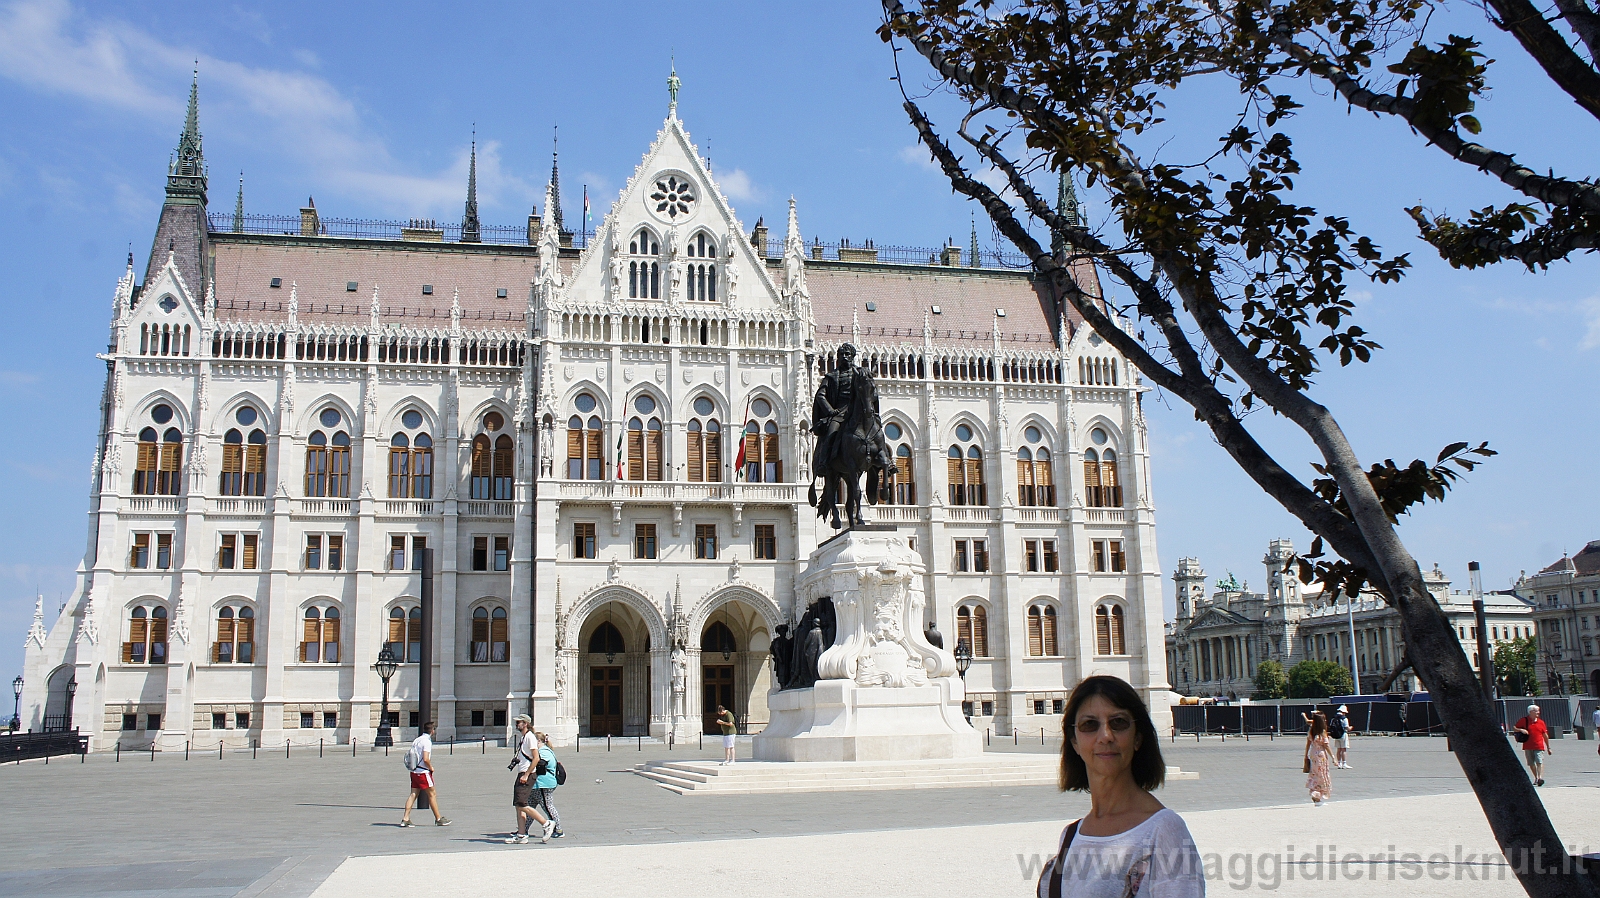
x=756 y=777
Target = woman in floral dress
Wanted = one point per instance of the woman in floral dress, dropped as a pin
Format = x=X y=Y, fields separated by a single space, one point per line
x=1319 y=753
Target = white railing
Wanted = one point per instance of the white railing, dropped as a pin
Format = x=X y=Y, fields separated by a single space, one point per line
x=156 y=504
x=407 y=507
x=894 y=514
x=481 y=509
x=325 y=506
x=658 y=491
x=1105 y=515
x=957 y=514
x=1038 y=515
x=250 y=507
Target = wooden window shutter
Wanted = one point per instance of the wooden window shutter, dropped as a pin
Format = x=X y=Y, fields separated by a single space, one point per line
x=248 y=554
x=1118 y=643
x=232 y=458
x=957 y=494
x=713 y=456
x=1049 y=632
x=980 y=632
x=1025 y=482
x=1045 y=484
x=503 y=460
x=313 y=632
x=964 y=626
x=482 y=457
x=653 y=453
x=1102 y=631
x=975 y=482
x=224 y=630
x=1108 y=478
x=772 y=458
x=139 y=630
x=497 y=630
x=1091 y=483
x=1035 y=633
x=696 y=466
x=216 y=652
x=158 y=630
x=127 y=653
x=330 y=637
x=575 y=450
x=255 y=459
x=635 y=455
x=244 y=632
x=397 y=629
x=171 y=462
x=480 y=630
x=147 y=457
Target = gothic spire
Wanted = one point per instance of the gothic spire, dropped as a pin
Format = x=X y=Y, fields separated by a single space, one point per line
x=470 y=232
x=186 y=176
x=1068 y=208
x=973 y=260
x=238 y=208
x=552 y=205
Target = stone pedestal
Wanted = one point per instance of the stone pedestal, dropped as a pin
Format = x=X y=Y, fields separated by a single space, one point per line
x=884 y=692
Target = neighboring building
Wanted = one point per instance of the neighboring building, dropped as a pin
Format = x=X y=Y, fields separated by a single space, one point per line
x=1214 y=646
x=1566 y=610
x=606 y=447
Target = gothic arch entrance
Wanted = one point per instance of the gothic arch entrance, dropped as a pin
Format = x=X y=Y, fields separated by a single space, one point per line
x=605 y=681
x=717 y=648
x=734 y=667
x=614 y=672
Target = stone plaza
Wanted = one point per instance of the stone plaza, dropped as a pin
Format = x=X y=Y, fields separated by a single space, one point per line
x=327 y=826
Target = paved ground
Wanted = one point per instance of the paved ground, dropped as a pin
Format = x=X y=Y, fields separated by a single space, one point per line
x=286 y=827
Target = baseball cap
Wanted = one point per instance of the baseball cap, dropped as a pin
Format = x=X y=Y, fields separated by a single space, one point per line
x=523 y=718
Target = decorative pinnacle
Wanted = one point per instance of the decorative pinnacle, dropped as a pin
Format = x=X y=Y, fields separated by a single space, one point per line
x=673 y=86
x=552 y=204
x=470 y=231
x=238 y=208
x=974 y=261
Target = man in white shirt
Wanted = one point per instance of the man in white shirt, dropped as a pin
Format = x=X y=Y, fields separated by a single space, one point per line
x=419 y=762
x=1596 y=721
x=522 y=788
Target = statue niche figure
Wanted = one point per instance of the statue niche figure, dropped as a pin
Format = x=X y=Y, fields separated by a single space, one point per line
x=816 y=632
x=850 y=441
x=781 y=648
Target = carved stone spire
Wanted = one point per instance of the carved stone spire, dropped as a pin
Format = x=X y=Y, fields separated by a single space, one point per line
x=36 y=633
x=470 y=231
x=1069 y=209
x=794 y=261
x=238 y=208
x=550 y=240
x=973 y=260
x=189 y=165
x=552 y=197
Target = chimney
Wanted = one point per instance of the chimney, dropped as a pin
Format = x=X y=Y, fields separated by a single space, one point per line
x=310 y=225
x=758 y=238
x=533 y=228
x=950 y=255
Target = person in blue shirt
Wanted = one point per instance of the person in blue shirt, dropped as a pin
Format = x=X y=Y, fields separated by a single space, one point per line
x=545 y=784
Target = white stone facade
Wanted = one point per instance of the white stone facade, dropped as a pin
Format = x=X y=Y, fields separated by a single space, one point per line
x=303 y=341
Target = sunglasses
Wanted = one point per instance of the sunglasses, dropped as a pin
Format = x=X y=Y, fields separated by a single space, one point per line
x=1088 y=726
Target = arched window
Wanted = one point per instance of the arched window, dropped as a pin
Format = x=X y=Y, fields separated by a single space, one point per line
x=1042 y=631
x=705 y=443
x=758 y=460
x=144 y=470
x=405 y=633
x=585 y=458
x=966 y=469
x=972 y=625
x=147 y=636
x=905 y=482
x=492 y=460
x=644 y=440
x=1108 y=630
x=244 y=462
x=411 y=460
x=1035 y=479
x=1102 y=488
x=236 y=636
x=321 y=640
x=644 y=274
x=717 y=639
x=328 y=465
x=489 y=639
x=606 y=640
x=701 y=276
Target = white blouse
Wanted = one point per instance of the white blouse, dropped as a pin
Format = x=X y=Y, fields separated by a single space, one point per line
x=1156 y=859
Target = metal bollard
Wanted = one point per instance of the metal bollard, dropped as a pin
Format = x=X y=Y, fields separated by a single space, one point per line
x=483 y=745
x=119 y=752
x=319 y=747
x=452 y=748
x=1041 y=735
x=702 y=741
x=1013 y=735
x=641 y=742
x=286 y=749
x=353 y=741
x=254 y=744
x=186 y=749
x=608 y=742
x=986 y=734
x=219 y=749
x=577 y=744
x=152 y=751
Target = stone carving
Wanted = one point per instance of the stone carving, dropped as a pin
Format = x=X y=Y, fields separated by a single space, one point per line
x=36 y=632
x=850 y=441
x=782 y=647
x=813 y=636
x=561 y=673
x=88 y=629
x=680 y=672
x=180 y=616
x=614 y=570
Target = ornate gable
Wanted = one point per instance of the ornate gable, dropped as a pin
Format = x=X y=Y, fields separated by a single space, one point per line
x=671 y=215
x=166 y=320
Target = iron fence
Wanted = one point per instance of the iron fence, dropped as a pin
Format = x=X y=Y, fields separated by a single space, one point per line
x=1408 y=718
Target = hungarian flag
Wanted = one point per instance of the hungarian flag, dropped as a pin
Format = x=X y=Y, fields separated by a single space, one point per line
x=586 y=213
x=738 y=460
x=620 y=456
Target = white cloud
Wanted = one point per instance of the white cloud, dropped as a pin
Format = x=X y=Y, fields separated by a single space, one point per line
x=51 y=47
x=918 y=155
x=1590 y=309
x=736 y=186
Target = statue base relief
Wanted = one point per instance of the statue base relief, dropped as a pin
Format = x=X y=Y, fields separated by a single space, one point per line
x=882 y=691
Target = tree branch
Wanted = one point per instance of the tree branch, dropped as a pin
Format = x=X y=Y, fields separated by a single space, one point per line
x=1565 y=67
x=1585 y=24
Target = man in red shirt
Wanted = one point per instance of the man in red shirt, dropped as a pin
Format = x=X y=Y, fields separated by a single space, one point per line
x=1536 y=744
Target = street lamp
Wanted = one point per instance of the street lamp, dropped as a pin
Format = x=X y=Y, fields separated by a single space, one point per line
x=963 y=655
x=385 y=667
x=72 y=689
x=16 y=713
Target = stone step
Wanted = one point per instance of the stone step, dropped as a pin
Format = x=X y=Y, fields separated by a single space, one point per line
x=750 y=777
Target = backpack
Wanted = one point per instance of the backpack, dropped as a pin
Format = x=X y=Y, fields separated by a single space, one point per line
x=544 y=767
x=1336 y=727
x=411 y=759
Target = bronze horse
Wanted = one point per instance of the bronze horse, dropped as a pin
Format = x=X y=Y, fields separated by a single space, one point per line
x=852 y=453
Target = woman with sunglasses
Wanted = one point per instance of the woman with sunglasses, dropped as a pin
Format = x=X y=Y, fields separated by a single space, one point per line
x=1128 y=845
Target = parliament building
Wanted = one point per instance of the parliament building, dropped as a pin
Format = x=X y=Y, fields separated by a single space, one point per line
x=603 y=439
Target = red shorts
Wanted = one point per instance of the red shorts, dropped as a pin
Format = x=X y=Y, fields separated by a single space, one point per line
x=421 y=779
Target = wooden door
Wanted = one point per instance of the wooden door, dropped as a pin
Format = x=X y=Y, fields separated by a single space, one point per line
x=718 y=681
x=605 y=701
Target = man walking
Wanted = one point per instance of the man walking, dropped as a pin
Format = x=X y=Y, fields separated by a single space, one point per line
x=1534 y=736
x=729 y=728
x=1596 y=721
x=1339 y=731
x=523 y=787
x=419 y=762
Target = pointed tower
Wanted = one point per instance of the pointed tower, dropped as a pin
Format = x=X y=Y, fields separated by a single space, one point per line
x=1285 y=606
x=1070 y=211
x=183 y=227
x=1191 y=589
x=973 y=260
x=470 y=232
x=552 y=202
x=238 y=208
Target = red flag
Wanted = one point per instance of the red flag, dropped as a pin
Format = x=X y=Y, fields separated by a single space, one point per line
x=738 y=461
x=619 y=456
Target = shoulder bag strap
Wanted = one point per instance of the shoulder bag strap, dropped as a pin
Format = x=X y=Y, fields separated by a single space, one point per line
x=1060 y=866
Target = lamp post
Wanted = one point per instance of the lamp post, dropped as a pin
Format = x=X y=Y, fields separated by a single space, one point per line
x=72 y=689
x=16 y=711
x=385 y=667
x=963 y=655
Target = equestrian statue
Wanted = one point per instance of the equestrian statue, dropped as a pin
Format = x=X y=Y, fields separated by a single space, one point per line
x=850 y=442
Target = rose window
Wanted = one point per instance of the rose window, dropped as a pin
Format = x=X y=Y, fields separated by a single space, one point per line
x=673 y=197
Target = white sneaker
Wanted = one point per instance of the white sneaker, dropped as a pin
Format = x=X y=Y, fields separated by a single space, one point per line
x=549 y=827
x=516 y=839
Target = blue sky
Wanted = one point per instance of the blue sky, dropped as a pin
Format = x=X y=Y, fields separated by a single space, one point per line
x=371 y=109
